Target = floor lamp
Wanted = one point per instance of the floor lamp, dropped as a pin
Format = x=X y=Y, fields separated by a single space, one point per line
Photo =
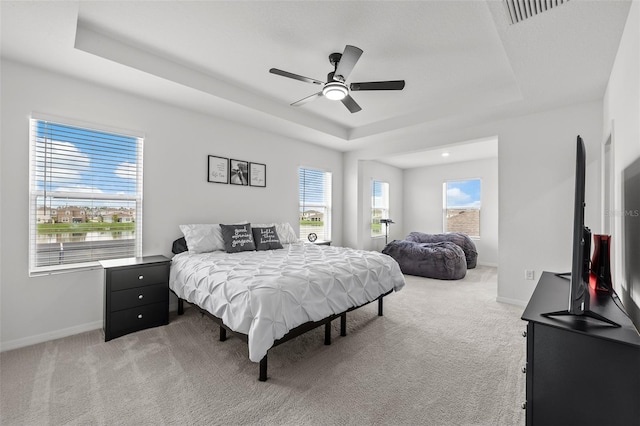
x=386 y=222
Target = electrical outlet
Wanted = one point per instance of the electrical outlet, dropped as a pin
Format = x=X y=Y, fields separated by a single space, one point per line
x=529 y=274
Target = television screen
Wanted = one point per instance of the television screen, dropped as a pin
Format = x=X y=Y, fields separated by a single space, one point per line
x=581 y=250
x=579 y=289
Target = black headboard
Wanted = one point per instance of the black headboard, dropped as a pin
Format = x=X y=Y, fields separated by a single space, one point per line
x=179 y=246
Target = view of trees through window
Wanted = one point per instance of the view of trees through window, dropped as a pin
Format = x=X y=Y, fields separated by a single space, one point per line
x=85 y=195
x=315 y=203
x=461 y=206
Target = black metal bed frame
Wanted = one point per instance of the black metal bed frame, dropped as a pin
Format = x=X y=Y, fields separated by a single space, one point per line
x=295 y=332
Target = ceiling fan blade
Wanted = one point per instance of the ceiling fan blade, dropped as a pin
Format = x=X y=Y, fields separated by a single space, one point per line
x=348 y=60
x=295 y=76
x=351 y=104
x=307 y=99
x=378 y=85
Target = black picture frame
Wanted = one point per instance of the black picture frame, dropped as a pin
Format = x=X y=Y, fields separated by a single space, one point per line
x=218 y=169
x=258 y=174
x=239 y=172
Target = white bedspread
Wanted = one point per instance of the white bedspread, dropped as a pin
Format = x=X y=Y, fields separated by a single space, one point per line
x=264 y=294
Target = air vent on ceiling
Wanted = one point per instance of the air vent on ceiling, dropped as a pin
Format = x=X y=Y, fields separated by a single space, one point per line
x=519 y=10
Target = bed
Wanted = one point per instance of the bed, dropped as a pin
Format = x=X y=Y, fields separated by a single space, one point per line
x=269 y=296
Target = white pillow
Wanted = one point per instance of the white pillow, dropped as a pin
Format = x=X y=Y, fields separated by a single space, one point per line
x=203 y=238
x=285 y=231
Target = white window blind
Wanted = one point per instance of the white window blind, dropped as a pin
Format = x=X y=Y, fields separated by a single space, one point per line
x=379 y=206
x=315 y=203
x=85 y=200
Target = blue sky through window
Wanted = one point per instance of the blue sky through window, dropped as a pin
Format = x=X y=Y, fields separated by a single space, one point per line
x=83 y=160
x=380 y=192
x=463 y=193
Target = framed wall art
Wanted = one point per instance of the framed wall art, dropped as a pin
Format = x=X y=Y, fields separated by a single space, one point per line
x=218 y=169
x=257 y=174
x=239 y=172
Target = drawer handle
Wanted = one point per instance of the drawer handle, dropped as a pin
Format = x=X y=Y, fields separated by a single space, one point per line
x=139 y=316
x=140 y=277
x=140 y=296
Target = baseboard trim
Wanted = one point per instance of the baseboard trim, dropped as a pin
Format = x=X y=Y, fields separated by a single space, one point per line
x=493 y=265
x=509 y=301
x=58 y=334
x=52 y=335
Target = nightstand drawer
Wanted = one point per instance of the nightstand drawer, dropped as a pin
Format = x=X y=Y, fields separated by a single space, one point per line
x=131 y=298
x=122 y=279
x=139 y=318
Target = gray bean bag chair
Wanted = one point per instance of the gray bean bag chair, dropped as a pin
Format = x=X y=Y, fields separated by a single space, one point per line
x=466 y=244
x=444 y=260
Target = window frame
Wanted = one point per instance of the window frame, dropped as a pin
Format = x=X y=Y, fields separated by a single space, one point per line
x=384 y=214
x=326 y=204
x=446 y=207
x=81 y=196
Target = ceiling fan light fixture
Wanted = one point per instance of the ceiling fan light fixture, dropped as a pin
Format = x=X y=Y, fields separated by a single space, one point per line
x=335 y=91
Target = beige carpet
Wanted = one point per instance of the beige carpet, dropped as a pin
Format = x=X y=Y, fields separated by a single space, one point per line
x=445 y=353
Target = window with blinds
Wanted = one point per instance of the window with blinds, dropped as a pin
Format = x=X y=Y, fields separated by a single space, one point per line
x=315 y=203
x=379 y=207
x=85 y=200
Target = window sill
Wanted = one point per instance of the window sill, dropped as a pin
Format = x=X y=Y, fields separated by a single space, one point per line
x=65 y=269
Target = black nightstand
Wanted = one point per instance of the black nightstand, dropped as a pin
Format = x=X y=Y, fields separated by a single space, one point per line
x=322 y=243
x=136 y=294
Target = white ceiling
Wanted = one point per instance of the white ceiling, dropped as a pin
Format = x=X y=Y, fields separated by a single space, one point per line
x=452 y=153
x=458 y=58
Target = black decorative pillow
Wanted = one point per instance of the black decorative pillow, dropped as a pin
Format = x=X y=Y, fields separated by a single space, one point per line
x=266 y=238
x=179 y=246
x=237 y=238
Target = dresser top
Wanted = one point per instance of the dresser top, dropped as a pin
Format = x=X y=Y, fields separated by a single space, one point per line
x=134 y=261
x=552 y=295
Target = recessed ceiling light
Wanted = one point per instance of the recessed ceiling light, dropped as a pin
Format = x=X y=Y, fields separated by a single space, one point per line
x=445 y=154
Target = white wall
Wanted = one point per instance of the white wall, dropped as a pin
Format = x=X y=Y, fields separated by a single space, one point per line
x=622 y=122
x=423 y=201
x=536 y=173
x=352 y=203
x=176 y=191
x=537 y=180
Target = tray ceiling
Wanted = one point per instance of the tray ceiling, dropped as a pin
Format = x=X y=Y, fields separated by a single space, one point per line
x=458 y=58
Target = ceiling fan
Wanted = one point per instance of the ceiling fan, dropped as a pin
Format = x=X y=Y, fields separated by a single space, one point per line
x=336 y=87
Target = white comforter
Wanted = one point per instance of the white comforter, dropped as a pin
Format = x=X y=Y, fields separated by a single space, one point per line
x=264 y=294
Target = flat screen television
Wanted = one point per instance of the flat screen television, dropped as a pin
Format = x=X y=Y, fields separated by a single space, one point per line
x=581 y=242
x=631 y=241
x=581 y=247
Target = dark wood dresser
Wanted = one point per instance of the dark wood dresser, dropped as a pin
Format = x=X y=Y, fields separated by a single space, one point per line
x=136 y=294
x=579 y=371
